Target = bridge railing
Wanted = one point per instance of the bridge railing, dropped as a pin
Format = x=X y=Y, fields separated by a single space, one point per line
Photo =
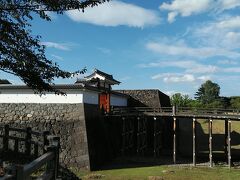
x=207 y=111
x=26 y=143
x=50 y=159
x=140 y=110
x=171 y=111
x=21 y=140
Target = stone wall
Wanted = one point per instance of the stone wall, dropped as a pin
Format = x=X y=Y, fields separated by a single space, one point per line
x=100 y=150
x=64 y=120
x=149 y=98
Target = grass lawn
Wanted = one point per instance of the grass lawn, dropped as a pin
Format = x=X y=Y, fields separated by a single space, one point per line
x=163 y=172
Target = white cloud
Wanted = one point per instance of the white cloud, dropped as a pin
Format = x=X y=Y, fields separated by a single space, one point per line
x=232 y=69
x=228 y=4
x=57 y=57
x=60 y=46
x=172 y=16
x=189 y=66
x=204 y=78
x=186 y=51
x=229 y=23
x=115 y=13
x=174 y=77
x=191 y=7
x=179 y=78
x=226 y=33
x=193 y=67
x=185 y=7
x=104 y=50
x=200 y=68
x=170 y=93
x=227 y=61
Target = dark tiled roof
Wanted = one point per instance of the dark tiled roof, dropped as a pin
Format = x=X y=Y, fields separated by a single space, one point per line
x=64 y=87
x=57 y=86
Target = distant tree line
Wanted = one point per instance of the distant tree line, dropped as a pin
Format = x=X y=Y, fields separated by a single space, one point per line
x=207 y=96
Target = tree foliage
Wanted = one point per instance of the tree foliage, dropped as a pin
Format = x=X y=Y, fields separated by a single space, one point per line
x=235 y=102
x=21 y=53
x=180 y=100
x=208 y=92
x=208 y=97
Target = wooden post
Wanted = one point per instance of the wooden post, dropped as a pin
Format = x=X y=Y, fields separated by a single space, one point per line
x=155 y=136
x=174 y=139
x=226 y=139
x=144 y=136
x=6 y=138
x=138 y=135
x=20 y=172
x=57 y=149
x=50 y=166
x=54 y=142
x=36 y=150
x=174 y=110
x=28 y=139
x=194 y=142
x=123 y=135
x=45 y=140
x=229 y=143
x=210 y=143
x=16 y=143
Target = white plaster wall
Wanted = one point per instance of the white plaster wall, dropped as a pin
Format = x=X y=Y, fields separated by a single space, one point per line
x=90 y=97
x=72 y=97
x=27 y=96
x=118 y=100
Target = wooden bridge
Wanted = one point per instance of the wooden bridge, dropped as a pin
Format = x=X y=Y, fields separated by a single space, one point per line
x=143 y=114
x=233 y=114
x=24 y=144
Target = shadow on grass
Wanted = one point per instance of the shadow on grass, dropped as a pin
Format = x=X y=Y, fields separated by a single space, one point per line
x=66 y=174
x=21 y=159
x=136 y=162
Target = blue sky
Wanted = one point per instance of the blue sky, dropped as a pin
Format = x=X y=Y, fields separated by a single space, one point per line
x=173 y=45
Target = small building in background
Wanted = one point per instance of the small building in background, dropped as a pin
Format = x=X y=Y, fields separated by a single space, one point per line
x=104 y=82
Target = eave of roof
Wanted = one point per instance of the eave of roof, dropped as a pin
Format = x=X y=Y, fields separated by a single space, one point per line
x=119 y=94
x=108 y=76
x=79 y=86
x=56 y=86
x=122 y=90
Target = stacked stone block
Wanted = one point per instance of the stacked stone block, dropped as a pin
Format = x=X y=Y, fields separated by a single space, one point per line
x=64 y=120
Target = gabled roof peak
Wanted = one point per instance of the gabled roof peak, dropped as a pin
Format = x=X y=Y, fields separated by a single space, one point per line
x=106 y=77
x=103 y=73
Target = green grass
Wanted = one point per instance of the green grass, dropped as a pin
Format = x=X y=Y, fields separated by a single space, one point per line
x=163 y=172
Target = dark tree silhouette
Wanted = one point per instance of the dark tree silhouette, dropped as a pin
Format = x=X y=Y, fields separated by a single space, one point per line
x=21 y=53
x=208 y=92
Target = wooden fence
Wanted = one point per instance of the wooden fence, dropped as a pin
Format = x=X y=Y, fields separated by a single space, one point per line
x=30 y=144
x=177 y=111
